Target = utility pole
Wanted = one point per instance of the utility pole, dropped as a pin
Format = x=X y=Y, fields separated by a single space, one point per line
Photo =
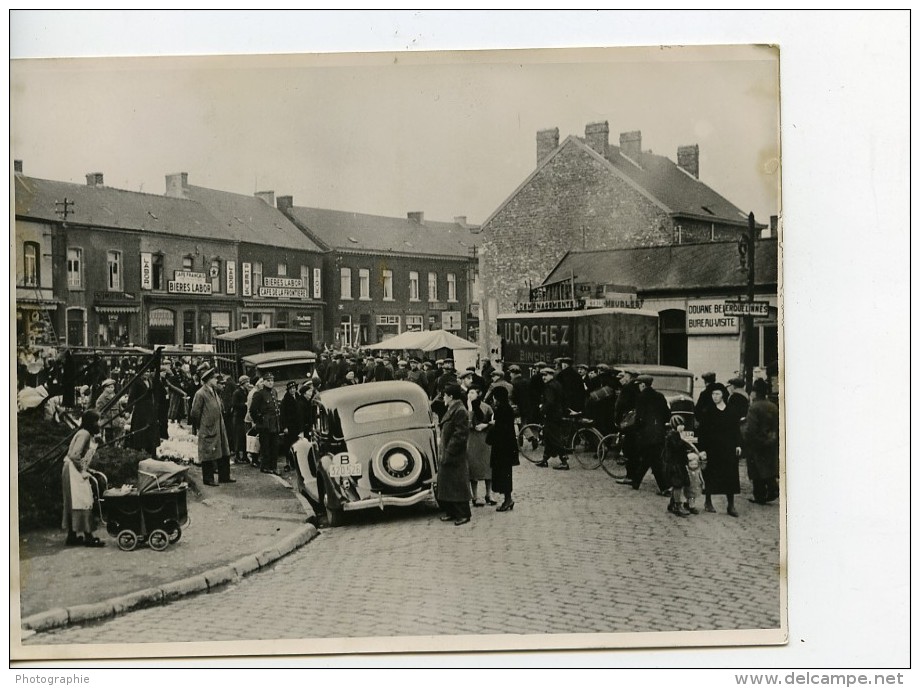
x=750 y=344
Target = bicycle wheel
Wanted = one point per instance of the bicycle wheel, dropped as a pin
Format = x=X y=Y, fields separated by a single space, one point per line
x=612 y=459
x=586 y=448
x=530 y=442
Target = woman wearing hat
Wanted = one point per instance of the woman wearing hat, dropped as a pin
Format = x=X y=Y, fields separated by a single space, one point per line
x=478 y=452
x=504 y=452
x=75 y=485
x=720 y=444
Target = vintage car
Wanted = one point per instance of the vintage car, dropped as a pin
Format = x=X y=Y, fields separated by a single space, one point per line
x=373 y=445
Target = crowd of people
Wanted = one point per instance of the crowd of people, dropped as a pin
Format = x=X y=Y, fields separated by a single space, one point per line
x=479 y=412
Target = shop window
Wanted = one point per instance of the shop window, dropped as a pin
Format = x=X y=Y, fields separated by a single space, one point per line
x=159 y=272
x=256 y=277
x=451 y=287
x=74 y=268
x=114 y=270
x=188 y=327
x=345 y=279
x=220 y=322
x=31 y=253
x=76 y=327
x=214 y=274
x=432 y=286
x=387 y=279
x=262 y=320
x=282 y=319
x=413 y=286
x=387 y=326
x=415 y=323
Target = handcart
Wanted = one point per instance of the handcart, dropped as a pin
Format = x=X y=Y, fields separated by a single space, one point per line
x=154 y=512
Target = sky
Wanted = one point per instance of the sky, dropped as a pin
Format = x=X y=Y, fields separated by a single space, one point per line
x=447 y=133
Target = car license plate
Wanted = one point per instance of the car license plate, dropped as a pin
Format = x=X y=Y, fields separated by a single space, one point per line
x=344 y=465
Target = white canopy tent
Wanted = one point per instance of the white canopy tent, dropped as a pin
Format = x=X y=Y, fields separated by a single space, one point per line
x=464 y=352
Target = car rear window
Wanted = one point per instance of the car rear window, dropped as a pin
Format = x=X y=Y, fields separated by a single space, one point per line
x=383 y=410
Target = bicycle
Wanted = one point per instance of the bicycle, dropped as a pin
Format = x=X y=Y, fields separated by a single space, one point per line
x=613 y=461
x=582 y=441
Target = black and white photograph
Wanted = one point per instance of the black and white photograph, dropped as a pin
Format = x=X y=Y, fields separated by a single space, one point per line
x=337 y=353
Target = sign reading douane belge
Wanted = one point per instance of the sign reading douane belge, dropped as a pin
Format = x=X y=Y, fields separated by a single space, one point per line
x=188 y=282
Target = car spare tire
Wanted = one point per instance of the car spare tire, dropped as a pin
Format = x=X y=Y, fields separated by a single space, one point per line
x=398 y=464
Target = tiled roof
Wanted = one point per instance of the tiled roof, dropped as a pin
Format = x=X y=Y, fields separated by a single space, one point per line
x=250 y=219
x=679 y=191
x=206 y=213
x=356 y=231
x=677 y=267
x=102 y=206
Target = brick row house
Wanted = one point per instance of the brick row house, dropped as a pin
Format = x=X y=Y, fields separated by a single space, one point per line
x=123 y=267
x=127 y=268
x=586 y=194
x=389 y=275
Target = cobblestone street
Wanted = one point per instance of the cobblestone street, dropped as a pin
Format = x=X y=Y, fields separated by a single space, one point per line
x=578 y=554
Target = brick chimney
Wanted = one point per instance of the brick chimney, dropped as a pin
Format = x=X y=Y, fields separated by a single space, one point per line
x=285 y=203
x=773 y=231
x=688 y=159
x=177 y=185
x=460 y=220
x=94 y=179
x=547 y=142
x=17 y=167
x=631 y=145
x=597 y=136
x=267 y=196
x=418 y=217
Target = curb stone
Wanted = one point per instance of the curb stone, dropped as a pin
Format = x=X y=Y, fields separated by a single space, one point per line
x=209 y=580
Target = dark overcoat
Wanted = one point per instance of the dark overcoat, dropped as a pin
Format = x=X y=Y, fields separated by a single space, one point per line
x=720 y=434
x=207 y=413
x=454 y=471
x=145 y=426
x=760 y=433
x=573 y=388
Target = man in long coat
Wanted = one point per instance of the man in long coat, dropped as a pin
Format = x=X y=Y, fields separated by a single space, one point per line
x=207 y=414
x=626 y=403
x=760 y=434
x=573 y=386
x=553 y=409
x=454 y=492
x=653 y=416
x=266 y=415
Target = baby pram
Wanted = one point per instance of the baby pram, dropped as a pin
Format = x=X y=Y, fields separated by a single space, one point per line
x=154 y=511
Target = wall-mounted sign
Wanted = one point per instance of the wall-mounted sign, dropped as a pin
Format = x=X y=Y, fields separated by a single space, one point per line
x=283 y=293
x=317 y=283
x=709 y=317
x=146 y=271
x=450 y=320
x=178 y=287
x=551 y=305
x=190 y=277
x=231 y=276
x=247 y=279
x=759 y=309
x=283 y=282
x=303 y=320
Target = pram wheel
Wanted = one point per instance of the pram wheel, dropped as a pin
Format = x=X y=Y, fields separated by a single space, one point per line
x=173 y=530
x=127 y=540
x=158 y=540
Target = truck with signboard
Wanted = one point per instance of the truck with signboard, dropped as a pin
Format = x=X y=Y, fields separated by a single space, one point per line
x=598 y=335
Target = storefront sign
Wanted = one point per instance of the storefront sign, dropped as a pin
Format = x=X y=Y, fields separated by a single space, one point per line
x=436 y=306
x=247 y=279
x=231 y=276
x=303 y=320
x=283 y=282
x=146 y=271
x=283 y=293
x=450 y=320
x=709 y=317
x=317 y=283
x=759 y=309
x=551 y=305
x=188 y=282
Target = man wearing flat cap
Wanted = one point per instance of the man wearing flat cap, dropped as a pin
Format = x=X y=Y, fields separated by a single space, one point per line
x=553 y=411
x=573 y=386
x=737 y=400
x=213 y=444
x=498 y=380
x=238 y=428
x=624 y=415
x=521 y=400
x=653 y=416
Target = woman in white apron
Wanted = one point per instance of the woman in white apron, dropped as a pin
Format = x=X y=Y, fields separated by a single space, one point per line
x=78 y=493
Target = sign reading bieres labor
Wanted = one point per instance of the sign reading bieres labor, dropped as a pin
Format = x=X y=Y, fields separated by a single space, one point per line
x=709 y=317
x=283 y=288
x=188 y=282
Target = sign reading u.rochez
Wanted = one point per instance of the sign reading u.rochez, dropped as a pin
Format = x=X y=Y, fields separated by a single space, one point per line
x=187 y=282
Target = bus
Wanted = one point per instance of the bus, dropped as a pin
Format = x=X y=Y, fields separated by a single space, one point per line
x=285 y=352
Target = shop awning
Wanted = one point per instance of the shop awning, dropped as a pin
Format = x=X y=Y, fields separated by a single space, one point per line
x=116 y=309
x=161 y=318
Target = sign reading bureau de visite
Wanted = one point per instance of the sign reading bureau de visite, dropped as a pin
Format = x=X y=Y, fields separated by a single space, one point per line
x=759 y=309
x=709 y=317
